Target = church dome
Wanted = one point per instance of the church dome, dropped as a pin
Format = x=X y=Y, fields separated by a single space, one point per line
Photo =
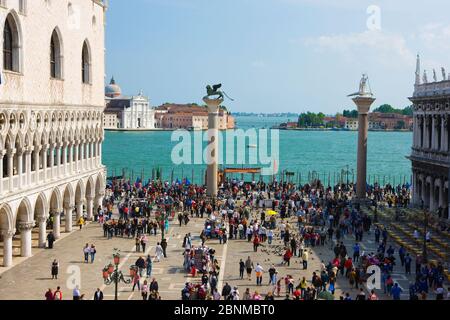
x=113 y=90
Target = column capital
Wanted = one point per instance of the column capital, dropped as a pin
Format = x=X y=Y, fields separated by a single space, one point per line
x=89 y=198
x=8 y=233
x=56 y=212
x=26 y=226
x=41 y=219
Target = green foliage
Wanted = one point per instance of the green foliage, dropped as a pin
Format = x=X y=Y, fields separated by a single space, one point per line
x=387 y=108
x=311 y=119
x=350 y=113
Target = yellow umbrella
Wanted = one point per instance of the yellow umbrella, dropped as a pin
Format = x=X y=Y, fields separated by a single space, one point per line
x=271 y=213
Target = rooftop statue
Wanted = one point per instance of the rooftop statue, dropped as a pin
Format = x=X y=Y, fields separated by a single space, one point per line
x=444 y=74
x=425 y=76
x=434 y=75
x=215 y=92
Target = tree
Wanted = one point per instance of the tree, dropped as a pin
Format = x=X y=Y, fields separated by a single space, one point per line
x=385 y=108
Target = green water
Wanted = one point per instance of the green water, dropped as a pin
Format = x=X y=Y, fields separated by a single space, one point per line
x=324 y=154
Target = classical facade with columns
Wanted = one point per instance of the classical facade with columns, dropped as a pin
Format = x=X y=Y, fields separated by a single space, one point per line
x=51 y=120
x=431 y=144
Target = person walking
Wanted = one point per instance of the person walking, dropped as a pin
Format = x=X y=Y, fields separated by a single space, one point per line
x=76 y=293
x=144 y=241
x=81 y=222
x=55 y=269
x=136 y=281
x=259 y=273
x=305 y=257
x=51 y=239
x=58 y=294
x=49 y=295
x=93 y=252
x=164 y=247
x=249 y=268
x=159 y=252
x=98 y=295
x=149 y=265
x=144 y=291
x=241 y=269
x=86 y=251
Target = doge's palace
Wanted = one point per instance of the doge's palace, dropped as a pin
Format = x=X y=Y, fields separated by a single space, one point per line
x=51 y=119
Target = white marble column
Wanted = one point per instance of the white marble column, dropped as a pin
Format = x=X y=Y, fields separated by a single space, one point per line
x=68 y=215
x=2 y=154
x=64 y=159
x=28 y=165
x=99 y=156
x=44 y=161
x=58 y=160
x=37 y=150
x=89 y=208
x=57 y=224
x=20 y=167
x=82 y=155
x=70 y=161
x=10 y=156
x=77 y=161
x=79 y=210
x=42 y=222
x=25 y=238
x=7 y=247
x=52 y=161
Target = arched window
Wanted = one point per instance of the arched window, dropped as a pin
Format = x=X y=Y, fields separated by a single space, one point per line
x=55 y=56
x=11 y=45
x=7 y=47
x=86 y=64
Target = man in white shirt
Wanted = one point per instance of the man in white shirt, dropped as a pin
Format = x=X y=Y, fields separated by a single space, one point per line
x=76 y=293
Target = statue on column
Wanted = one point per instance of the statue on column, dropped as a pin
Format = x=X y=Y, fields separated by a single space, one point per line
x=213 y=91
x=364 y=89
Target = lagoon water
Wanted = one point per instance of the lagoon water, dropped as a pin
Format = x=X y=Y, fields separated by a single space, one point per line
x=323 y=154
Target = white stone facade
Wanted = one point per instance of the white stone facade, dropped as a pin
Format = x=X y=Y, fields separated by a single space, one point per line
x=431 y=143
x=139 y=115
x=51 y=117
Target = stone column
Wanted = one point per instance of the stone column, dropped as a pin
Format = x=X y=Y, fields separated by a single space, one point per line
x=37 y=150
x=11 y=153
x=432 y=204
x=25 y=238
x=213 y=145
x=2 y=154
x=99 y=156
x=363 y=103
x=44 y=161
x=64 y=160
x=70 y=161
x=20 y=167
x=442 y=203
x=444 y=134
x=7 y=247
x=79 y=210
x=423 y=190
x=76 y=149
x=57 y=224
x=68 y=215
x=433 y=132
x=42 y=222
x=415 y=126
x=82 y=155
x=28 y=165
x=89 y=208
x=426 y=136
x=58 y=160
x=52 y=160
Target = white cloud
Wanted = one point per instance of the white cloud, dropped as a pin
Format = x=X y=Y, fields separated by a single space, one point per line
x=384 y=48
x=435 y=36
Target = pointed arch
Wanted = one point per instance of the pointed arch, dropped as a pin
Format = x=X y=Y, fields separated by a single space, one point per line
x=56 y=54
x=24 y=211
x=86 y=64
x=6 y=217
x=41 y=207
x=12 y=43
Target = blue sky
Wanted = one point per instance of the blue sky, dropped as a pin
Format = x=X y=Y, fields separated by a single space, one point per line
x=274 y=55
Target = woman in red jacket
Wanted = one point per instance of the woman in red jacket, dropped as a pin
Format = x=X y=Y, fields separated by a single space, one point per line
x=287 y=257
x=255 y=243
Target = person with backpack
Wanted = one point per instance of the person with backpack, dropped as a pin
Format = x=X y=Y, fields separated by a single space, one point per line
x=58 y=294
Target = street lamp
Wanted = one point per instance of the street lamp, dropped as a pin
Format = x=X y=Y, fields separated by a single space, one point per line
x=112 y=274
